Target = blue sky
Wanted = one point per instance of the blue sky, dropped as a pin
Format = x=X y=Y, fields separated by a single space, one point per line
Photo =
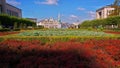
x=70 y=10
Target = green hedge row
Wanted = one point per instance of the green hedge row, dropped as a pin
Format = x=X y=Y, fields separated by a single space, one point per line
x=52 y=39
x=4 y=30
x=14 y=22
x=114 y=20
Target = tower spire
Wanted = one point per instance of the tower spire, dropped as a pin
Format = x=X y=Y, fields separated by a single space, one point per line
x=59 y=20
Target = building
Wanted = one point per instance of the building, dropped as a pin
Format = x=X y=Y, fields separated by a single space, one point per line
x=104 y=12
x=76 y=25
x=32 y=19
x=65 y=25
x=49 y=23
x=9 y=9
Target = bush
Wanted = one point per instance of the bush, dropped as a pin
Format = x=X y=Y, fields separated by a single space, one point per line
x=13 y=22
x=36 y=28
x=115 y=20
x=17 y=29
x=5 y=29
x=116 y=29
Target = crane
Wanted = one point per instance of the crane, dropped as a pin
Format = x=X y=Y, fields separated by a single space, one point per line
x=116 y=6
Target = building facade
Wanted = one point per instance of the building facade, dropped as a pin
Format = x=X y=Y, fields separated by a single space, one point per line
x=6 y=8
x=76 y=25
x=49 y=23
x=104 y=12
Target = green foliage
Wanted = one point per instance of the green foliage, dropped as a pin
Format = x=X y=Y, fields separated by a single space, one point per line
x=114 y=20
x=4 y=30
x=40 y=27
x=62 y=33
x=17 y=29
x=12 y=22
x=100 y=28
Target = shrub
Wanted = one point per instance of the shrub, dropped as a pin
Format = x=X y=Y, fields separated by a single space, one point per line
x=115 y=20
x=13 y=22
x=5 y=29
x=17 y=29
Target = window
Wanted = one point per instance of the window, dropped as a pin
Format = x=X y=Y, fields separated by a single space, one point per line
x=12 y=13
x=9 y=12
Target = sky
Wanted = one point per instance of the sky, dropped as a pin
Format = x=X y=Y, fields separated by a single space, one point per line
x=70 y=10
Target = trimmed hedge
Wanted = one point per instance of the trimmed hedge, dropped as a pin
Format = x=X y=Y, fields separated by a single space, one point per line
x=114 y=20
x=14 y=22
x=4 y=30
x=17 y=29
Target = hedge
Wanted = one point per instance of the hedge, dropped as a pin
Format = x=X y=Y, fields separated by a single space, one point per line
x=114 y=20
x=5 y=30
x=14 y=22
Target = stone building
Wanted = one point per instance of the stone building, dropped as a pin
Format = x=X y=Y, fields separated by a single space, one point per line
x=104 y=12
x=9 y=9
x=49 y=23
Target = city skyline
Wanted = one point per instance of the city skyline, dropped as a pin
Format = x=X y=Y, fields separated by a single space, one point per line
x=71 y=11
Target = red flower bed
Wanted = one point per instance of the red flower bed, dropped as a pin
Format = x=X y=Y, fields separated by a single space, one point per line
x=112 y=32
x=7 y=33
x=33 y=54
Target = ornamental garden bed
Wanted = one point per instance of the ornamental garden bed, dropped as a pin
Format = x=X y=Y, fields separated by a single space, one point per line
x=7 y=33
x=71 y=54
x=58 y=32
x=112 y=32
x=60 y=49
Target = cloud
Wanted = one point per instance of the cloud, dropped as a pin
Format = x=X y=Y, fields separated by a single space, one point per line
x=81 y=9
x=73 y=16
x=13 y=2
x=92 y=14
x=48 y=2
